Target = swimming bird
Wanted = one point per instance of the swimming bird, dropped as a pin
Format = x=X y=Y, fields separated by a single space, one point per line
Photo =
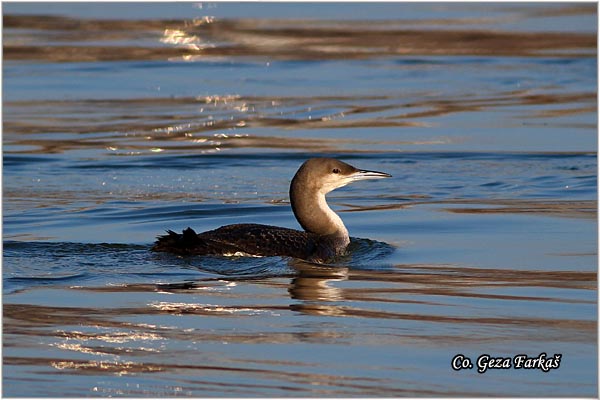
x=324 y=237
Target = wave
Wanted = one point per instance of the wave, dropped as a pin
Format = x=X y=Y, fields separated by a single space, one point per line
x=64 y=39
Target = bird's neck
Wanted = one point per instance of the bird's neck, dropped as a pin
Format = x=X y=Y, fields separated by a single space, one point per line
x=314 y=215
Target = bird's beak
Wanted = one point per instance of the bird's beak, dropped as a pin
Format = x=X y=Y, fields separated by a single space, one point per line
x=364 y=174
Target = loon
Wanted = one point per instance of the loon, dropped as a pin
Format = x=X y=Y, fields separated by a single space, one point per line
x=324 y=236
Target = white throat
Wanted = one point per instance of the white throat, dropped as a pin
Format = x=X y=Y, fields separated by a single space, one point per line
x=334 y=220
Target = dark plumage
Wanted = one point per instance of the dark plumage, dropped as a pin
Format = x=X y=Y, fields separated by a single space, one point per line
x=249 y=240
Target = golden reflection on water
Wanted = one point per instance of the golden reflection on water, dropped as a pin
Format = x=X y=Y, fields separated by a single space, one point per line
x=214 y=123
x=207 y=38
x=315 y=285
x=587 y=209
x=113 y=336
x=204 y=309
x=314 y=282
x=426 y=294
x=180 y=38
x=94 y=367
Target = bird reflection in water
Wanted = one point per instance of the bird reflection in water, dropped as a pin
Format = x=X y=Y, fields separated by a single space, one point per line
x=313 y=284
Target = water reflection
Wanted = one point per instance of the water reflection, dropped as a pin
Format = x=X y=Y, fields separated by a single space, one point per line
x=567 y=209
x=433 y=285
x=316 y=289
x=313 y=282
x=209 y=38
x=187 y=125
x=181 y=38
x=114 y=339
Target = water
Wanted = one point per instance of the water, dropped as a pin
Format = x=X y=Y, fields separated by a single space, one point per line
x=123 y=120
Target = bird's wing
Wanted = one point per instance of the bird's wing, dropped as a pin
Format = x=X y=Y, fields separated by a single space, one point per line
x=249 y=239
x=264 y=240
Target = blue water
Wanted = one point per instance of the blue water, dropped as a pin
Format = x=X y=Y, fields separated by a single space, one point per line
x=147 y=117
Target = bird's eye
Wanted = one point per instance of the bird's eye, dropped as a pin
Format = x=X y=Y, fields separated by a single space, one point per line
x=336 y=171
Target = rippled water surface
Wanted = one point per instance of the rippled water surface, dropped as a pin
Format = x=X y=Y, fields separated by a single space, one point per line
x=123 y=120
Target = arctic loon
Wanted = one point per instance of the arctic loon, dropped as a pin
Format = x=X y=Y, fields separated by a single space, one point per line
x=324 y=236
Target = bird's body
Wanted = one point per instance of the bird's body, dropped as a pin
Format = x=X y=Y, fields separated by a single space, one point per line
x=324 y=235
x=248 y=240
